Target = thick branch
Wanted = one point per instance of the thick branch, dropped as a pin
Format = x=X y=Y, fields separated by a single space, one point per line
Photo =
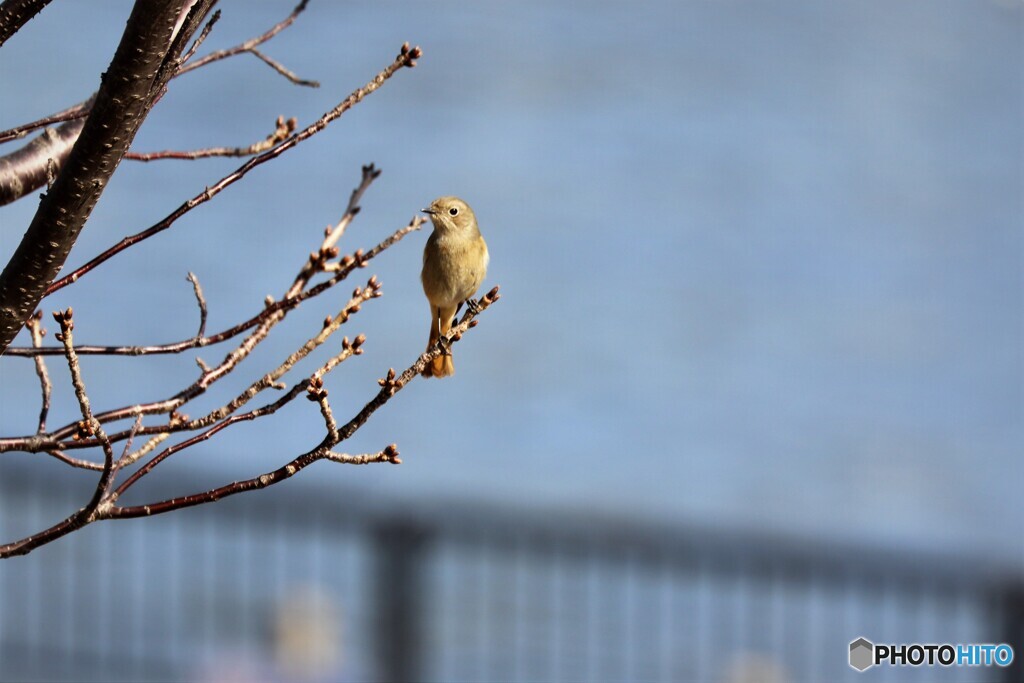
x=136 y=76
x=16 y=13
x=25 y=170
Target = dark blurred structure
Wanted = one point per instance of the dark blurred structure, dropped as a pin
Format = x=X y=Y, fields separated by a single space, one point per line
x=291 y=585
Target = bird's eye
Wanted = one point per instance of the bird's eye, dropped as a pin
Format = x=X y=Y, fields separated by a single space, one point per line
x=453 y=211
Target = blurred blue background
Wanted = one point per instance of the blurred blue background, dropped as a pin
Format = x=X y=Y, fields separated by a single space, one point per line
x=761 y=262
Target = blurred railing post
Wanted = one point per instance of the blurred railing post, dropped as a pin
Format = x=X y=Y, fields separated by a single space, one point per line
x=1011 y=605
x=399 y=548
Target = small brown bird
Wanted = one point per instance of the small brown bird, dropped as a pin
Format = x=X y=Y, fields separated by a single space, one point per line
x=454 y=264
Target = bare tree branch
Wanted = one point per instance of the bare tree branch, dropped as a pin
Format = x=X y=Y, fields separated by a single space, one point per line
x=75 y=462
x=145 y=59
x=406 y=58
x=104 y=506
x=280 y=68
x=81 y=109
x=249 y=44
x=270 y=316
x=341 y=269
x=198 y=41
x=389 y=454
x=19 y=173
x=283 y=128
x=151 y=52
x=75 y=111
x=37 y=331
x=25 y=170
x=201 y=302
x=86 y=514
x=16 y=13
x=390 y=385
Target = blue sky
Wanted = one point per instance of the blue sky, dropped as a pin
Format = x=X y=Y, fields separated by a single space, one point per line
x=762 y=263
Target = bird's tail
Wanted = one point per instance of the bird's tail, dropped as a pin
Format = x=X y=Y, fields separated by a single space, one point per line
x=442 y=366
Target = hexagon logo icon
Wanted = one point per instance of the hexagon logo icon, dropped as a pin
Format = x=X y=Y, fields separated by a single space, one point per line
x=862 y=654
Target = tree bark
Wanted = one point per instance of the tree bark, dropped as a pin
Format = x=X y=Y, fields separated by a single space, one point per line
x=25 y=170
x=145 y=60
x=16 y=13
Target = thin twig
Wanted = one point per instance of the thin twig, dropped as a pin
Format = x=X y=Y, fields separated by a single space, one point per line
x=201 y=302
x=37 y=332
x=75 y=111
x=280 y=68
x=14 y=14
x=283 y=128
x=202 y=37
x=249 y=44
x=313 y=385
x=122 y=461
x=177 y=423
x=389 y=455
x=342 y=269
x=90 y=425
x=406 y=58
x=390 y=386
x=82 y=109
x=75 y=462
x=145 y=450
x=268 y=409
x=273 y=314
x=92 y=510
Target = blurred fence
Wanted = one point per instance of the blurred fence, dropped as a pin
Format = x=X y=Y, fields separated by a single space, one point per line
x=289 y=584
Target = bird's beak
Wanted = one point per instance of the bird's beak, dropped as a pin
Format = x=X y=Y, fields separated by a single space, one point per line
x=428 y=210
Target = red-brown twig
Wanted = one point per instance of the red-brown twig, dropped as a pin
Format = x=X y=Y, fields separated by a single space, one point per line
x=283 y=129
x=75 y=111
x=91 y=512
x=89 y=425
x=391 y=384
x=212 y=375
x=75 y=462
x=58 y=440
x=81 y=110
x=284 y=71
x=247 y=45
x=341 y=270
x=406 y=58
x=198 y=41
x=268 y=409
x=389 y=454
